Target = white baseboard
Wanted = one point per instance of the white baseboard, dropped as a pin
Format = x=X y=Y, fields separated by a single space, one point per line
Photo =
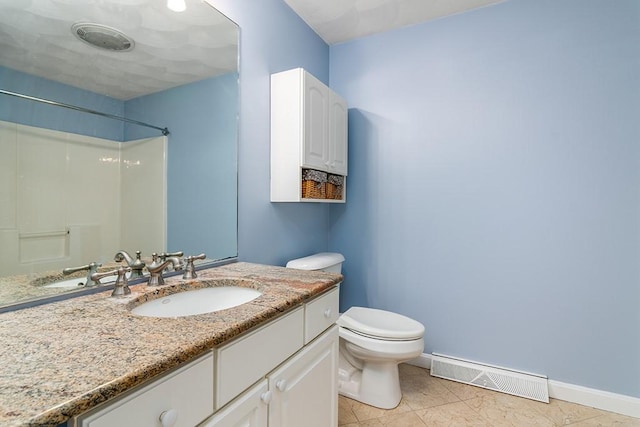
x=607 y=401
x=422 y=361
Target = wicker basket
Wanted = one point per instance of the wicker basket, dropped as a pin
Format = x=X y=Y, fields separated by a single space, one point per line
x=335 y=184
x=313 y=184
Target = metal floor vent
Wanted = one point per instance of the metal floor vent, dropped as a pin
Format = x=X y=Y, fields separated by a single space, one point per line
x=498 y=379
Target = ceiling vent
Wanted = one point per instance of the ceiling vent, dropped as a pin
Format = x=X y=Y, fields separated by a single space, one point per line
x=102 y=36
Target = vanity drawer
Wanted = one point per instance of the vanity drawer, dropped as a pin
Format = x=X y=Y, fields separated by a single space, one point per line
x=249 y=358
x=144 y=407
x=320 y=314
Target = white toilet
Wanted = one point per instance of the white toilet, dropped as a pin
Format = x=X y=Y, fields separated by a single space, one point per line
x=372 y=344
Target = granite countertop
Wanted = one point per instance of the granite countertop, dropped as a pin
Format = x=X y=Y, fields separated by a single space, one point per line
x=61 y=359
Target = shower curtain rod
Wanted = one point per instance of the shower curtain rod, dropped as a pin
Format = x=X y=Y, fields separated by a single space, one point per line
x=164 y=130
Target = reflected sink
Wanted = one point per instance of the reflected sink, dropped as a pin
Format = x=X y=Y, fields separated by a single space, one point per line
x=197 y=301
x=76 y=283
x=79 y=282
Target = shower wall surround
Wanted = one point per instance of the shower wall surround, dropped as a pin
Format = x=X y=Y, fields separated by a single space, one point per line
x=52 y=216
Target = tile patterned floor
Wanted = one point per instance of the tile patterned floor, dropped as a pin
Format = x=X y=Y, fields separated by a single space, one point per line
x=434 y=402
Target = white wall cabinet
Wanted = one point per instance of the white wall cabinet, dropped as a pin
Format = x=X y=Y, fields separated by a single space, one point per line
x=308 y=130
x=283 y=374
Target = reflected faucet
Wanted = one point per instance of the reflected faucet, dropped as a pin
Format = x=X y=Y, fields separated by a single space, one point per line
x=164 y=255
x=136 y=265
x=156 y=267
x=91 y=269
x=121 y=288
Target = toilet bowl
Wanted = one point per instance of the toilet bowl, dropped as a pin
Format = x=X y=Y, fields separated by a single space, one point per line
x=372 y=344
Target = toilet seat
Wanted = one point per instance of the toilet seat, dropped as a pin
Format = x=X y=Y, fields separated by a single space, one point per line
x=380 y=324
x=377 y=349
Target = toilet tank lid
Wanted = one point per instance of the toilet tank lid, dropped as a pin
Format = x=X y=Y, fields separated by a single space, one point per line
x=316 y=261
x=381 y=324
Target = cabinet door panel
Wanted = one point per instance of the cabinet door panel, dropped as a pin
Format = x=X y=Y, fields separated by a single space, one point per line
x=337 y=135
x=305 y=389
x=316 y=105
x=248 y=410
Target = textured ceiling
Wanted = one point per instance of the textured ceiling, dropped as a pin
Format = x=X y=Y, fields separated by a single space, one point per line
x=171 y=48
x=341 y=20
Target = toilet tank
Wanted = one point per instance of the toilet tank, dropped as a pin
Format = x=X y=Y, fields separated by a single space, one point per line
x=330 y=262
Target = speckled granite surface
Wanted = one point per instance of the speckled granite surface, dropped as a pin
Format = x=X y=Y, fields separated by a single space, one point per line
x=26 y=287
x=61 y=359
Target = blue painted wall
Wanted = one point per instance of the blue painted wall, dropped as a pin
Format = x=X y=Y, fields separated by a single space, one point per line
x=272 y=39
x=201 y=168
x=494 y=164
x=31 y=113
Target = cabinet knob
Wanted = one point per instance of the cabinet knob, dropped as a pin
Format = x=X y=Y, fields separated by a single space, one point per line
x=266 y=397
x=281 y=385
x=327 y=313
x=168 y=418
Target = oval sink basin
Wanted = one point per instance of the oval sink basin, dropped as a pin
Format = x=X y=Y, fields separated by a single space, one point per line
x=197 y=301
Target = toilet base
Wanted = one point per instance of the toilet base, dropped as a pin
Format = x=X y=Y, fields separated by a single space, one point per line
x=377 y=384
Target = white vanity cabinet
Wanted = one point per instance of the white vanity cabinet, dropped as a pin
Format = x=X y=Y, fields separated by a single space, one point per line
x=282 y=374
x=302 y=390
x=308 y=131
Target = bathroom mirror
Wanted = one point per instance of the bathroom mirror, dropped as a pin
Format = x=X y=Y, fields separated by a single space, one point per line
x=76 y=187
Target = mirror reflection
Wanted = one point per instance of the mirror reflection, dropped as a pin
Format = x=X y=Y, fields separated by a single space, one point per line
x=78 y=188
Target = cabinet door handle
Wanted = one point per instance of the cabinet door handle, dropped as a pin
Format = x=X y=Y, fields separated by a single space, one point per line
x=327 y=313
x=168 y=418
x=281 y=385
x=266 y=397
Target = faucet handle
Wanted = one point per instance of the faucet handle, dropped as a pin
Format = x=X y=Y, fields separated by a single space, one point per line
x=92 y=269
x=122 y=286
x=165 y=255
x=190 y=270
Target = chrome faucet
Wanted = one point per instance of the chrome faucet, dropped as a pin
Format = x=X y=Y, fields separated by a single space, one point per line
x=122 y=286
x=136 y=265
x=156 y=268
x=189 y=269
x=92 y=269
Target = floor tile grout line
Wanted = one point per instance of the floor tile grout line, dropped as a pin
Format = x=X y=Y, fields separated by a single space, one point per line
x=552 y=416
